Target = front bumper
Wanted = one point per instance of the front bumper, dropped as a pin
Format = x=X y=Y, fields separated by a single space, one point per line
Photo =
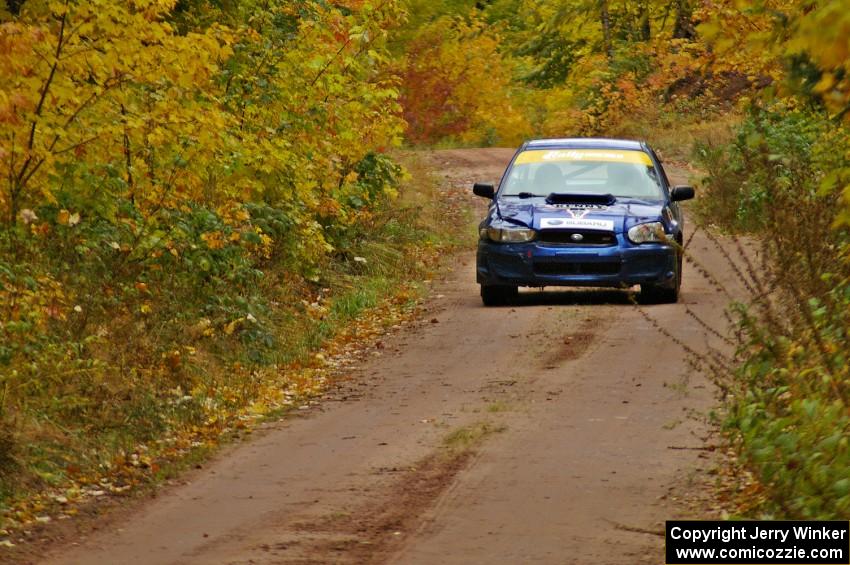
x=542 y=264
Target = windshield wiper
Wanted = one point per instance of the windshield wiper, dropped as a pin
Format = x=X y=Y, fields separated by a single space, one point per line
x=527 y=195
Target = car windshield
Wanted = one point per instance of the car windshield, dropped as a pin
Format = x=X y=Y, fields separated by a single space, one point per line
x=621 y=173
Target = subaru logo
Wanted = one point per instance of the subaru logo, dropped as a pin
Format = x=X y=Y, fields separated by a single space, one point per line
x=576 y=237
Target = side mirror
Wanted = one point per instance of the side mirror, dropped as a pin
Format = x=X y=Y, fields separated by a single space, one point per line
x=484 y=190
x=682 y=192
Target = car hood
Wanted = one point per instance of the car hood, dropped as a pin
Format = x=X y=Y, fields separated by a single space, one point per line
x=619 y=216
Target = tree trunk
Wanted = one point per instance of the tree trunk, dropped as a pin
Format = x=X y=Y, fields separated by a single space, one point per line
x=684 y=27
x=14 y=6
x=645 y=25
x=606 y=28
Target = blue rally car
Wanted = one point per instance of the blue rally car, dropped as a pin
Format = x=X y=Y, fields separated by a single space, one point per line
x=582 y=212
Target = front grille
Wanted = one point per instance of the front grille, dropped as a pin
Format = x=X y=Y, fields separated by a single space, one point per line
x=586 y=268
x=588 y=237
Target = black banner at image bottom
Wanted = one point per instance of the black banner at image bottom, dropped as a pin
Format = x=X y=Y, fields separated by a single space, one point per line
x=774 y=542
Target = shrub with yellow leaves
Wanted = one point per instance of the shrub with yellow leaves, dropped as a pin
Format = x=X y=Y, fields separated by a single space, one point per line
x=171 y=166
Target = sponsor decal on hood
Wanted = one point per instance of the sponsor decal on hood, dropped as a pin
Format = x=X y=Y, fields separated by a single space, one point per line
x=577 y=223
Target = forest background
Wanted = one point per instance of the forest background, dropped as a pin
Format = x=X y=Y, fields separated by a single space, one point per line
x=198 y=195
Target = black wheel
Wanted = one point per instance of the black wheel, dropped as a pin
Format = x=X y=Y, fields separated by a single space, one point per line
x=493 y=295
x=657 y=294
x=654 y=294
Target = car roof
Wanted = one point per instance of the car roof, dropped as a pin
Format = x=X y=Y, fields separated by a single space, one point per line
x=585 y=143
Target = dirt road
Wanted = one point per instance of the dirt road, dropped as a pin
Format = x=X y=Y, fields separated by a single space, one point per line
x=549 y=432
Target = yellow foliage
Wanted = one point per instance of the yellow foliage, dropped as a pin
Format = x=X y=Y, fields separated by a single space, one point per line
x=457 y=84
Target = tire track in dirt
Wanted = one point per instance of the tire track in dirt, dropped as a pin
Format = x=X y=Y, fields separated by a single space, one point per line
x=366 y=534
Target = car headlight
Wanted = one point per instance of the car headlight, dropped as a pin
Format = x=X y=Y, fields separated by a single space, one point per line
x=507 y=235
x=651 y=232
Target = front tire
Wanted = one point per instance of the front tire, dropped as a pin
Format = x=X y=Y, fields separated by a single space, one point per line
x=497 y=295
x=657 y=294
x=654 y=294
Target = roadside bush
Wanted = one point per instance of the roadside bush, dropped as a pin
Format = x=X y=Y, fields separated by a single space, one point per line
x=779 y=178
x=788 y=411
x=791 y=140
x=780 y=181
x=185 y=179
x=111 y=339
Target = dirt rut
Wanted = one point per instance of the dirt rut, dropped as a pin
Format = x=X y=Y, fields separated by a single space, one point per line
x=543 y=432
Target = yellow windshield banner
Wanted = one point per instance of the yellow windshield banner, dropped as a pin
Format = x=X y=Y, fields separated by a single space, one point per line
x=597 y=155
